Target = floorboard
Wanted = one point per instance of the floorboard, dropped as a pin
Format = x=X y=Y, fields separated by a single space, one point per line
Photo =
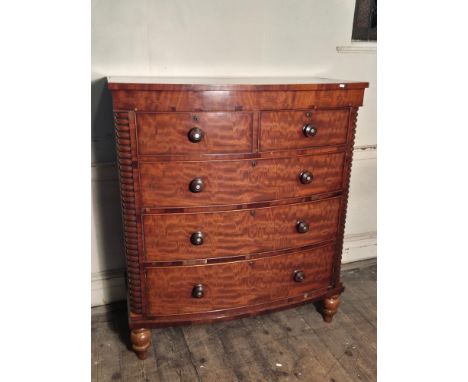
x=290 y=345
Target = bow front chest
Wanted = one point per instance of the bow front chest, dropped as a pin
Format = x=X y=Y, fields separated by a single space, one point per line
x=233 y=193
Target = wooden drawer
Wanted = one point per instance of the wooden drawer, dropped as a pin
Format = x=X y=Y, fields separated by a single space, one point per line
x=169 y=237
x=166 y=184
x=280 y=130
x=242 y=283
x=169 y=133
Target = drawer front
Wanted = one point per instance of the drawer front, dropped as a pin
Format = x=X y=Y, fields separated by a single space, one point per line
x=167 y=184
x=171 y=290
x=275 y=277
x=171 y=237
x=281 y=130
x=194 y=133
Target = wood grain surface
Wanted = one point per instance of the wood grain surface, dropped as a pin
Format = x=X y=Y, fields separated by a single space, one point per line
x=167 y=236
x=143 y=158
x=236 y=284
x=166 y=184
x=281 y=130
x=233 y=100
x=167 y=133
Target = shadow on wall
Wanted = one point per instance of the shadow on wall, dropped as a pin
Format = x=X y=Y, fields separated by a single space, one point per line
x=108 y=254
x=102 y=124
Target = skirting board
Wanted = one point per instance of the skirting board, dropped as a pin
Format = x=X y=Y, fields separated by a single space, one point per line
x=109 y=286
x=359 y=247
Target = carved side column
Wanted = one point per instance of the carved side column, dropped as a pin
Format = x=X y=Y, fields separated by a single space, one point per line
x=345 y=187
x=129 y=209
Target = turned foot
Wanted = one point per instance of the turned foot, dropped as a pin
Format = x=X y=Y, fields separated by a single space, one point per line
x=141 y=341
x=330 y=306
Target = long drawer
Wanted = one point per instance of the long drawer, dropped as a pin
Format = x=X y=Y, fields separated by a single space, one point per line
x=186 y=236
x=193 y=289
x=281 y=130
x=226 y=182
x=194 y=133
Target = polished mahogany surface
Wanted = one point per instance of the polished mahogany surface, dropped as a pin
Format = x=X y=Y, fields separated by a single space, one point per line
x=238 y=181
x=236 y=284
x=234 y=195
x=175 y=133
x=280 y=130
x=167 y=237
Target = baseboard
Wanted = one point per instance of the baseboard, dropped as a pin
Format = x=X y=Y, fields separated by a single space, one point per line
x=109 y=286
x=360 y=264
x=360 y=246
x=365 y=152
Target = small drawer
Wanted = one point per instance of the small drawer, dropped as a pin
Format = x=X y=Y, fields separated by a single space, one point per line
x=282 y=130
x=204 y=288
x=194 y=133
x=188 y=236
x=227 y=182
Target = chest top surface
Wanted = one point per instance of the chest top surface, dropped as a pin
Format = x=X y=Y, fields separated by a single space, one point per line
x=230 y=83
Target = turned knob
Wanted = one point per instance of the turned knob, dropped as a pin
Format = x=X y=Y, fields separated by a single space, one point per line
x=196 y=185
x=198 y=291
x=195 y=135
x=302 y=226
x=309 y=130
x=306 y=177
x=298 y=276
x=197 y=238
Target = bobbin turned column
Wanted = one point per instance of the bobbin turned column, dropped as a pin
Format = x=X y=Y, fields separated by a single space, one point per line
x=330 y=306
x=141 y=341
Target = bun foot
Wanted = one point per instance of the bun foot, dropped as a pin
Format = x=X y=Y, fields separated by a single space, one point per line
x=141 y=341
x=330 y=306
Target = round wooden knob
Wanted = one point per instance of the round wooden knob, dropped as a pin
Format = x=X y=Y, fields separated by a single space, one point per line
x=198 y=291
x=195 y=135
x=197 y=238
x=298 y=276
x=309 y=130
x=306 y=177
x=196 y=185
x=302 y=226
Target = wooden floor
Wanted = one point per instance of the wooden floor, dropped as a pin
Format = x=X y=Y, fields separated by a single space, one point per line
x=291 y=345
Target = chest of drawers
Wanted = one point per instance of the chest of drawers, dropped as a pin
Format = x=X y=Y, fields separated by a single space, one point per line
x=233 y=193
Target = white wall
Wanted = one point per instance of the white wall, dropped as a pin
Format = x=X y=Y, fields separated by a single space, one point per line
x=222 y=38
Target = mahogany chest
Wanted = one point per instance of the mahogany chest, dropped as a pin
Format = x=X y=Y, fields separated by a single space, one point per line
x=233 y=193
